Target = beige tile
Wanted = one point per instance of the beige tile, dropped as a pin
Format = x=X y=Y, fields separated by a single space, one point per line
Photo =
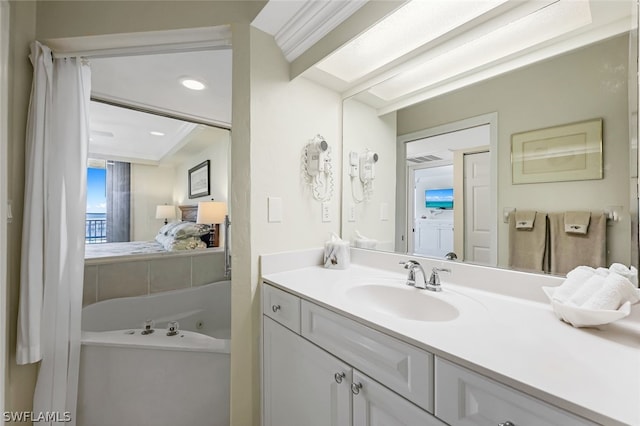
x=90 y=285
x=170 y=273
x=123 y=279
x=207 y=268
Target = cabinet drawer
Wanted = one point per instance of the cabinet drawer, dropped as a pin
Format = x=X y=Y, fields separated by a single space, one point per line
x=467 y=398
x=282 y=307
x=401 y=367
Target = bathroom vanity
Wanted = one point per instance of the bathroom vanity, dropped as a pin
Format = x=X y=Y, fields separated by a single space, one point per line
x=359 y=347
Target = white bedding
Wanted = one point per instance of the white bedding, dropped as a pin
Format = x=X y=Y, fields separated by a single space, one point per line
x=93 y=251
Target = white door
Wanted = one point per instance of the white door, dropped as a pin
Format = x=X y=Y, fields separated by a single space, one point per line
x=375 y=405
x=303 y=385
x=477 y=208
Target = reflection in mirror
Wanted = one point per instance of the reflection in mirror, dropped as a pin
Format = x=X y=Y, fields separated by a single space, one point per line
x=138 y=175
x=593 y=81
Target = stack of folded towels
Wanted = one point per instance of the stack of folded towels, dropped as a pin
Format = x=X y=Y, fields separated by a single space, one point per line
x=599 y=289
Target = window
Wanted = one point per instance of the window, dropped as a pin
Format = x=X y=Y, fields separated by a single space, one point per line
x=96 y=219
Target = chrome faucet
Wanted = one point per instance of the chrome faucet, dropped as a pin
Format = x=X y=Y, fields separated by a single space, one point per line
x=415 y=269
x=434 y=279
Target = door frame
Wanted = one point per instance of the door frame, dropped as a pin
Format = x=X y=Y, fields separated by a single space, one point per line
x=459 y=196
x=402 y=205
x=4 y=142
x=411 y=197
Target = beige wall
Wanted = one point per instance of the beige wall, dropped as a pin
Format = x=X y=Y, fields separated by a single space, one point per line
x=363 y=129
x=20 y=379
x=589 y=83
x=58 y=19
x=150 y=186
x=218 y=154
x=266 y=152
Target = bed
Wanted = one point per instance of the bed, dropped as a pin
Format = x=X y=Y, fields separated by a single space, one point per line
x=172 y=238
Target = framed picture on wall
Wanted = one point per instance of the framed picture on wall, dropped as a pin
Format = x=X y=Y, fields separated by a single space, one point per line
x=556 y=154
x=199 y=185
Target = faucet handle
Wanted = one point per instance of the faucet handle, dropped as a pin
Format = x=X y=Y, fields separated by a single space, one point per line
x=409 y=263
x=434 y=280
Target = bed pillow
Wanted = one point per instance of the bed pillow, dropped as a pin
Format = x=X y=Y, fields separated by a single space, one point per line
x=189 y=243
x=188 y=229
x=167 y=228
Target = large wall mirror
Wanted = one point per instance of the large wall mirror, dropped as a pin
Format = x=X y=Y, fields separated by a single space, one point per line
x=410 y=165
x=156 y=120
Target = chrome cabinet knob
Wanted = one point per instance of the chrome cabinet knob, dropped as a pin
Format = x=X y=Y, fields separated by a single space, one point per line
x=507 y=423
x=275 y=308
x=339 y=377
x=355 y=388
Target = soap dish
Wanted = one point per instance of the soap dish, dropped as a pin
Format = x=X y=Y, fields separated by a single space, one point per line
x=581 y=317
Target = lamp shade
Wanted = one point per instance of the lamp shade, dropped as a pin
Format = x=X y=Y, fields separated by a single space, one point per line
x=210 y=212
x=165 y=212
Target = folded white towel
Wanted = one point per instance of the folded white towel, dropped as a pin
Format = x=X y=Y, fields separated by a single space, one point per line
x=587 y=289
x=629 y=273
x=575 y=279
x=615 y=291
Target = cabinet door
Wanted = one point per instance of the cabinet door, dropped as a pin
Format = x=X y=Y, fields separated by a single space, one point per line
x=375 y=405
x=300 y=382
x=465 y=398
x=428 y=239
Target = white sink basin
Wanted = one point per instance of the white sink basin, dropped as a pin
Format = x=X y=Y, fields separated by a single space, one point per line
x=403 y=302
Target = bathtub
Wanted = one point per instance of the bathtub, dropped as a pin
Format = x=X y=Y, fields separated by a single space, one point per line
x=129 y=378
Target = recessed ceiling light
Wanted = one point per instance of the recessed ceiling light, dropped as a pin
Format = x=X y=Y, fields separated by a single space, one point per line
x=192 y=84
x=156 y=133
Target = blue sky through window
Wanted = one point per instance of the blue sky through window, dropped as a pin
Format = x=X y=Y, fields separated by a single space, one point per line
x=96 y=190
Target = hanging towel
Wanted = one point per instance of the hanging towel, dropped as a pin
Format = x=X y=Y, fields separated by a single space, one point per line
x=576 y=222
x=567 y=251
x=525 y=219
x=527 y=247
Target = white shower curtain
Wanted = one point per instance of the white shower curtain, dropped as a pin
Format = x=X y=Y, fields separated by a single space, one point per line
x=52 y=267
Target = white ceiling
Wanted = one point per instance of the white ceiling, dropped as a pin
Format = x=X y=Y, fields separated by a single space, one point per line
x=151 y=82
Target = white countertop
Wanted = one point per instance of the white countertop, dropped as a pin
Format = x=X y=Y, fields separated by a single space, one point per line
x=594 y=373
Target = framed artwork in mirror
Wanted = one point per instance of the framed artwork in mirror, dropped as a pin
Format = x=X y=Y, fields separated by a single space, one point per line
x=556 y=154
x=199 y=185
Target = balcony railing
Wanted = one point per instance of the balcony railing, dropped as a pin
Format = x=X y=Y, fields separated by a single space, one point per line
x=95 y=231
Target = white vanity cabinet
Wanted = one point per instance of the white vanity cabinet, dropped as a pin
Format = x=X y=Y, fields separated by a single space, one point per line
x=322 y=368
x=305 y=385
x=465 y=398
x=435 y=237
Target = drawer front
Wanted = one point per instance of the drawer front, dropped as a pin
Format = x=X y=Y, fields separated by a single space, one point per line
x=401 y=367
x=467 y=398
x=282 y=307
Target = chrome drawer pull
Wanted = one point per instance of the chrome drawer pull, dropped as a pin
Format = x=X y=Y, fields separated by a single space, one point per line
x=275 y=308
x=355 y=388
x=339 y=377
x=507 y=423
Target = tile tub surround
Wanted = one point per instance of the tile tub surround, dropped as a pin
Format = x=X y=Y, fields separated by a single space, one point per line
x=518 y=341
x=109 y=278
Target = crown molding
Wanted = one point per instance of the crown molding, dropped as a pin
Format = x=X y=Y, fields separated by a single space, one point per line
x=308 y=22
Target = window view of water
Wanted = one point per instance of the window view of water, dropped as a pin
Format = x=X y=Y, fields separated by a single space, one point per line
x=96 y=219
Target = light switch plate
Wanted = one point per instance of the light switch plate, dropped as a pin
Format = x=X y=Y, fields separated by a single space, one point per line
x=352 y=212
x=326 y=212
x=274 y=209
